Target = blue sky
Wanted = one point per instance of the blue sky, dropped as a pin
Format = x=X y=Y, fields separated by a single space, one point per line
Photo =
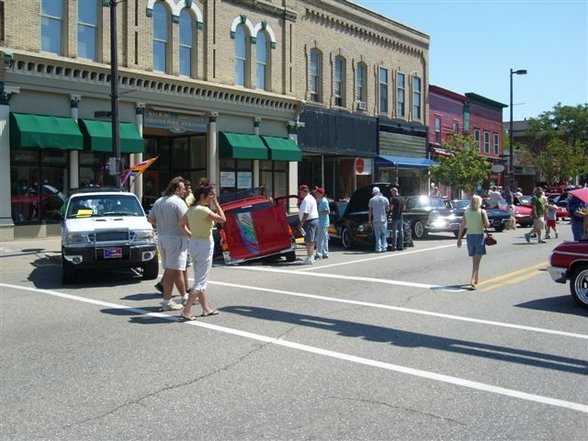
x=474 y=44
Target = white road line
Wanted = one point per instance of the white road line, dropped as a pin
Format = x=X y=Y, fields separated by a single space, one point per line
x=411 y=311
x=378 y=257
x=332 y=354
x=343 y=277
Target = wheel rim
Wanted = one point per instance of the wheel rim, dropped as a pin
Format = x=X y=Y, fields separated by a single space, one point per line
x=418 y=230
x=581 y=286
x=345 y=239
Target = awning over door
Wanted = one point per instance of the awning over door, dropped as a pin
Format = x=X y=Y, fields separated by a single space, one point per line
x=282 y=149
x=241 y=146
x=45 y=132
x=98 y=136
x=405 y=161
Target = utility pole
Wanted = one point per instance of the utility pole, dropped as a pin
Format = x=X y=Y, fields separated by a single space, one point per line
x=116 y=161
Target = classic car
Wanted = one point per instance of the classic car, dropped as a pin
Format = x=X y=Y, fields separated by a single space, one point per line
x=427 y=214
x=349 y=219
x=523 y=211
x=256 y=228
x=569 y=261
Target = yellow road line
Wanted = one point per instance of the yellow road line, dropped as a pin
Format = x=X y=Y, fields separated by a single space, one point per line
x=513 y=277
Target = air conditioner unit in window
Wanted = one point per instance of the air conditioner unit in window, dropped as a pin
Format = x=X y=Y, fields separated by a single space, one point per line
x=361 y=105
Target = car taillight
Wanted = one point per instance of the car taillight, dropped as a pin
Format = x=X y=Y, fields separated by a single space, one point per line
x=223 y=240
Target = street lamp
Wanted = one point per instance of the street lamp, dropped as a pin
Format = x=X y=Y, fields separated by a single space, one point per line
x=510 y=156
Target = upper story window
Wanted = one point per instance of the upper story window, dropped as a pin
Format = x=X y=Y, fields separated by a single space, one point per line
x=455 y=127
x=261 y=61
x=240 y=56
x=160 y=37
x=438 y=130
x=400 y=89
x=339 y=81
x=416 y=98
x=486 y=141
x=361 y=83
x=383 y=77
x=87 y=28
x=315 y=75
x=186 y=42
x=477 y=136
x=51 y=26
x=496 y=144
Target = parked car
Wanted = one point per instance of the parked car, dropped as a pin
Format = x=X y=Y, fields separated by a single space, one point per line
x=523 y=211
x=569 y=261
x=497 y=216
x=256 y=227
x=349 y=219
x=106 y=228
x=427 y=214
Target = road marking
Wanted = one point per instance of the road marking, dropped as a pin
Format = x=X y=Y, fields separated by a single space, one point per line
x=377 y=257
x=512 y=277
x=511 y=393
x=408 y=310
x=343 y=277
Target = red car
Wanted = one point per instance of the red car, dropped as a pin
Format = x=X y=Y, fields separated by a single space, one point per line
x=569 y=260
x=523 y=211
x=255 y=228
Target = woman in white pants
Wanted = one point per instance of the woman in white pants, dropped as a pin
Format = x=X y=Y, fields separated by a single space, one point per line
x=198 y=223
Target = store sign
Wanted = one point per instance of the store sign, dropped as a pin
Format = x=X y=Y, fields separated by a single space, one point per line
x=244 y=180
x=174 y=122
x=363 y=166
x=227 y=179
x=397 y=144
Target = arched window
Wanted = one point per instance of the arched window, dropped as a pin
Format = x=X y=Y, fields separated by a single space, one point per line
x=87 y=28
x=339 y=81
x=186 y=42
x=261 y=61
x=361 y=83
x=315 y=75
x=160 y=37
x=240 y=56
x=51 y=26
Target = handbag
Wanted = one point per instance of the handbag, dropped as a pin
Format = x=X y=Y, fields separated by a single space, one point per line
x=489 y=240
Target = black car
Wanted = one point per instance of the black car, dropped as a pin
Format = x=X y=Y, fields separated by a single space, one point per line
x=349 y=219
x=427 y=214
x=497 y=216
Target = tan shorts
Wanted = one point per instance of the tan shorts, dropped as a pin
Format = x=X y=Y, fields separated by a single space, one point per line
x=539 y=224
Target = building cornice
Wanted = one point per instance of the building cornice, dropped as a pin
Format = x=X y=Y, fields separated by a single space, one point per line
x=50 y=67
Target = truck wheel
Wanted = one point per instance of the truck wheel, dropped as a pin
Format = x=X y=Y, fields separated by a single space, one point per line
x=346 y=239
x=418 y=230
x=579 y=285
x=68 y=272
x=291 y=256
x=151 y=269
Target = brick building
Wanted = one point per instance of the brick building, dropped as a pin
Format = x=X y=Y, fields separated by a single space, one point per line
x=212 y=88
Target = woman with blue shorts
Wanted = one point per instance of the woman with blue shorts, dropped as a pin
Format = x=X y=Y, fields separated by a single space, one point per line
x=475 y=220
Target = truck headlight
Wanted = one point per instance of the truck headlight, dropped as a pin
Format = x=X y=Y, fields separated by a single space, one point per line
x=144 y=236
x=76 y=238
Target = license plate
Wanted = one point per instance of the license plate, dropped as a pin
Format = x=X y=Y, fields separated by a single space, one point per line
x=113 y=253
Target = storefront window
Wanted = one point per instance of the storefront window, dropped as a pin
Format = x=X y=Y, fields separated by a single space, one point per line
x=37 y=183
x=273 y=175
x=235 y=175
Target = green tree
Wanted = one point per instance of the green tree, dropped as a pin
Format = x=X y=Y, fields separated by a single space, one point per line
x=567 y=123
x=558 y=161
x=463 y=168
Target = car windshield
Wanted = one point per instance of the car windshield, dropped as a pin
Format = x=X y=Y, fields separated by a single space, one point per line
x=460 y=203
x=501 y=203
x=525 y=200
x=425 y=202
x=98 y=205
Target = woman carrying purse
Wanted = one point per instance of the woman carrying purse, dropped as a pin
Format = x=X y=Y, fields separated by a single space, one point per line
x=475 y=220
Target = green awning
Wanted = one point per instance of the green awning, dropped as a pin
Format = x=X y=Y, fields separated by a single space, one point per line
x=45 y=132
x=241 y=146
x=282 y=149
x=98 y=136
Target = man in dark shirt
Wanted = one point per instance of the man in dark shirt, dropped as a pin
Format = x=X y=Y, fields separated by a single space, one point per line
x=396 y=209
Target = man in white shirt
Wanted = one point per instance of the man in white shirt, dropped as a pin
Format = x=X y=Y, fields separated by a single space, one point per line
x=165 y=215
x=378 y=208
x=308 y=215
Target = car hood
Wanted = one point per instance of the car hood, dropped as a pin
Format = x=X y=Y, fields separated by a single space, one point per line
x=360 y=199
x=107 y=223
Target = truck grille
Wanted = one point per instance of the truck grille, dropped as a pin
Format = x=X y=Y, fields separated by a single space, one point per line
x=110 y=236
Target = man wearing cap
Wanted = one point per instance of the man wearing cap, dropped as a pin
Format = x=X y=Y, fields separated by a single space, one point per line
x=308 y=215
x=378 y=218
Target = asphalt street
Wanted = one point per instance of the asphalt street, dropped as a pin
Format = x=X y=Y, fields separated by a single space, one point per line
x=361 y=346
